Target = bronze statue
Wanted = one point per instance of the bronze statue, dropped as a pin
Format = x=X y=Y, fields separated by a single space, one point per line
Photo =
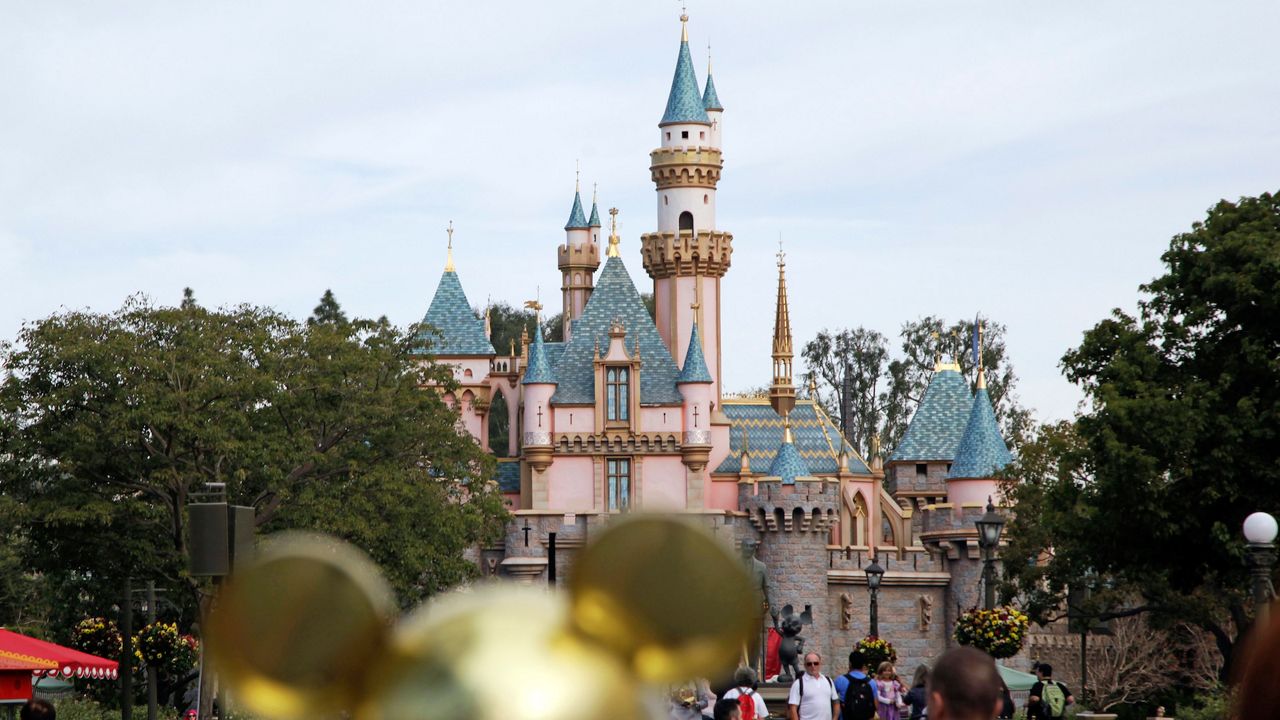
x=758 y=570
x=792 y=647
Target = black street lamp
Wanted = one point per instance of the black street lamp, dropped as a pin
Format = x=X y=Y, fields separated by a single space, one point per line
x=875 y=574
x=1260 y=531
x=990 y=526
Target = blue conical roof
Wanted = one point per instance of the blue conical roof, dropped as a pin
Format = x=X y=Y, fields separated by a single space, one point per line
x=539 y=368
x=577 y=220
x=710 y=100
x=788 y=464
x=461 y=332
x=695 y=364
x=684 y=104
x=939 y=420
x=981 y=452
x=595 y=216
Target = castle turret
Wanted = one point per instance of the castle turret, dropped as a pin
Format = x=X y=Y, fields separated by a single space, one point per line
x=539 y=384
x=711 y=103
x=578 y=259
x=981 y=454
x=694 y=382
x=687 y=255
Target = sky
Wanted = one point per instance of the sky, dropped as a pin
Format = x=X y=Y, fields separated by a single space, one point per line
x=1025 y=159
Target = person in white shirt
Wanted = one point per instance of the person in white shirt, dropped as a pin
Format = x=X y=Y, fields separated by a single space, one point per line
x=744 y=683
x=813 y=695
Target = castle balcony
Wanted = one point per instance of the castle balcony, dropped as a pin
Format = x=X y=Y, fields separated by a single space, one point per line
x=673 y=254
x=685 y=167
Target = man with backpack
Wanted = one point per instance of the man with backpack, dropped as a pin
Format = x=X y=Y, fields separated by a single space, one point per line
x=813 y=695
x=857 y=696
x=1048 y=698
x=744 y=693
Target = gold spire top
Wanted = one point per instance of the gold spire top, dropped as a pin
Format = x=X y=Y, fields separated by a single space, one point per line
x=684 y=22
x=536 y=304
x=613 y=234
x=982 y=374
x=448 y=263
x=782 y=393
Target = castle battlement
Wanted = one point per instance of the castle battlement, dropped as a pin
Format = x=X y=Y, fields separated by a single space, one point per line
x=810 y=505
x=587 y=254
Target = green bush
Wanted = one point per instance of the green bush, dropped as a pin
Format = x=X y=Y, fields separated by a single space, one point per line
x=1210 y=706
x=83 y=709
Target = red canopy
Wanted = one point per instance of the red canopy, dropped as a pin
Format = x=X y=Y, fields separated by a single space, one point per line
x=19 y=652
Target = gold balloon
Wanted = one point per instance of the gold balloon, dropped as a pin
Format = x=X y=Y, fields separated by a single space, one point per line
x=295 y=632
x=499 y=653
x=665 y=596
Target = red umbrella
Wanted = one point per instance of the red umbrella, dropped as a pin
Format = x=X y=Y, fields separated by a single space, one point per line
x=42 y=658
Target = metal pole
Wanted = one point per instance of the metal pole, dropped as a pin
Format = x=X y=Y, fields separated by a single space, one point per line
x=875 y=612
x=988 y=579
x=1262 y=556
x=126 y=652
x=1084 y=659
x=152 y=673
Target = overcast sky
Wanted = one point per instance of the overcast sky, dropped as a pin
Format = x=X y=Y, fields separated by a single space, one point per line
x=1029 y=160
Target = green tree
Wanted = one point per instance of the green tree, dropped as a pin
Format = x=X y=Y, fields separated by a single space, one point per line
x=109 y=422
x=873 y=392
x=1149 y=485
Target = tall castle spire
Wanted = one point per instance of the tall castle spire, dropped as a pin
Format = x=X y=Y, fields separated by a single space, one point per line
x=578 y=257
x=782 y=393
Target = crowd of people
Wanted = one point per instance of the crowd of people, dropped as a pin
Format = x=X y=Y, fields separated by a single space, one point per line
x=963 y=684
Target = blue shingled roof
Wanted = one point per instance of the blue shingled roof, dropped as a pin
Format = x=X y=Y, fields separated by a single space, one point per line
x=710 y=100
x=555 y=351
x=615 y=298
x=577 y=220
x=981 y=452
x=817 y=439
x=595 y=216
x=539 y=368
x=508 y=476
x=695 y=365
x=939 y=420
x=461 y=332
x=787 y=464
x=684 y=104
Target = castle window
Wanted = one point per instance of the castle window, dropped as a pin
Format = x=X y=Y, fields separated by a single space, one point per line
x=686 y=220
x=665 y=200
x=684 y=134
x=618 y=484
x=702 y=135
x=616 y=393
x=922 y=472
x=706 y=199
x=668 y=136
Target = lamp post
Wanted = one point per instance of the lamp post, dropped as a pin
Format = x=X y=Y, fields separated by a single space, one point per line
x=989 y=527
x=875 y=574
x=1260 y=531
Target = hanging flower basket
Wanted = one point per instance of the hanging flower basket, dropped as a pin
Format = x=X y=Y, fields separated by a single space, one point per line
x=999 y=632
x=98 y=636
x=161 y=646
x=876 y=650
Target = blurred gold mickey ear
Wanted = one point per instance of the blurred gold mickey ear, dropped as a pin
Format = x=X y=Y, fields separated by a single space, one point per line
x=296 y=632
x=665 y=596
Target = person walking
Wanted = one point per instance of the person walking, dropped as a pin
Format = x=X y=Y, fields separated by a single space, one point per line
x=964 y=685
x=917 y=698
x=1007 y=706
x=744 y=692
x=1048 y=699
x=813 y=695
x=888 y=692
x=857 y=694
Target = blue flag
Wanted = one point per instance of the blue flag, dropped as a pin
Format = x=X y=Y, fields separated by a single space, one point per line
x=977 y=325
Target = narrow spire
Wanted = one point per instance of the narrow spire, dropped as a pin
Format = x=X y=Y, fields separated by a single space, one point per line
x=594 y=221
x=684 y=23
x=710 y=100
x=614 y=240
x=448 y=263
x=782 y=394
x=684 y=103
x=577 y=219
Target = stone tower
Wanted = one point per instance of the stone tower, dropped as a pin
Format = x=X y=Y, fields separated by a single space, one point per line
x=578 y=258
x=687 y=255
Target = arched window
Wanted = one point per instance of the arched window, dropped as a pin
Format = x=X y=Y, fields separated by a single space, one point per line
x=706 y=199
x=686 y=220
x=499 y=426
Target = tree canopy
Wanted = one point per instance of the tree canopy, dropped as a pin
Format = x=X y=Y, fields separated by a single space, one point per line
x=1147 y=488
x=110 y=421
x=871 y=392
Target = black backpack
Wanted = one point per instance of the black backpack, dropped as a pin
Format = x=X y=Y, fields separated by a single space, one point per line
x=859 y=702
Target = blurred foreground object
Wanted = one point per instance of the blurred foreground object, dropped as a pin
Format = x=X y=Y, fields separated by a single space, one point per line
x=306 y=631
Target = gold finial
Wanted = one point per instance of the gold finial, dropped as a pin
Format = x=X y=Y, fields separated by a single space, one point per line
x=982 y=375
x=684 y=22
x=614 y=240
x=782 y=393
x=536 y=304
x=448 y=263
x=782 y=256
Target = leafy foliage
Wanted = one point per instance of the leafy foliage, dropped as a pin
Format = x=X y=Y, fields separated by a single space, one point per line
x=999 y=632
x=1147 y=489
x=109 y=422
x=872 y=393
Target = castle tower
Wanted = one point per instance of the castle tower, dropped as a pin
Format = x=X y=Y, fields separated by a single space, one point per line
x=538 y=385
x=981 y=454
x=578 y=258
x=687 y=255
x=694 y=382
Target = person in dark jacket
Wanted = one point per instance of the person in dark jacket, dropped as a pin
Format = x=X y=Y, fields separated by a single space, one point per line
x=917 y=697
x=1007 y=707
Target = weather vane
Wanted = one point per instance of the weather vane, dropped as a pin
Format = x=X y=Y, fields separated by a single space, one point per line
x=782 y=256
